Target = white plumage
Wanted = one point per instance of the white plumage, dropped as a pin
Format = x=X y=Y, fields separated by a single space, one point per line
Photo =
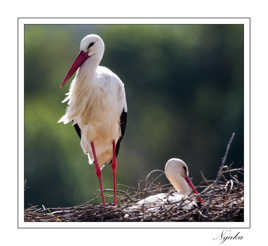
x=96 y=101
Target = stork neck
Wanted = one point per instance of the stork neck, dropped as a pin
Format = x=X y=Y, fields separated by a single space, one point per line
x=87 y=71
x=180 y=184
x=91 y=63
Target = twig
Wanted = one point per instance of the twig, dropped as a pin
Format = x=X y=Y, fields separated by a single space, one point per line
x=203 y=177
x=233 y=170
x=121 y=191
x=220 y=169
x=150 y=173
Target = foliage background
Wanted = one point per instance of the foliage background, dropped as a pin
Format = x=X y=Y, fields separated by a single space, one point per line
x=185 y=93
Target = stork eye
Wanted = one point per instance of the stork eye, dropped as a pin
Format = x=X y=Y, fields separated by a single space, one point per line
x=90 y=45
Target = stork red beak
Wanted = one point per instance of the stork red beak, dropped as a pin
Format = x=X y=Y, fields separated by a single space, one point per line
x=188 y=180
x=79 y=60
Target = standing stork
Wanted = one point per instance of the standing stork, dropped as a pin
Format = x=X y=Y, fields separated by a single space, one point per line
x=97 y=107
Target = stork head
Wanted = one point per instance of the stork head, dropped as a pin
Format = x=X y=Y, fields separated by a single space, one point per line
x=91 y=47
x=177 y=173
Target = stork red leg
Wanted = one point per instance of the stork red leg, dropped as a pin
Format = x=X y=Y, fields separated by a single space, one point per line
x=98 y=172
x=114 y=166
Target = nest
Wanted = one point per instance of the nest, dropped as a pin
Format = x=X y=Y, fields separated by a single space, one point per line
x=223 y=200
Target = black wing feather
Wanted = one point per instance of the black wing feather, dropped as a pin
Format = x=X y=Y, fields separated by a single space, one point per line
x=123 y=123
x=77 y=129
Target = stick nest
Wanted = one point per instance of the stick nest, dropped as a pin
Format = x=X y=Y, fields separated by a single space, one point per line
x=223 y=200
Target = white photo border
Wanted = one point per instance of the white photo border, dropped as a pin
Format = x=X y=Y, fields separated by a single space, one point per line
x=246 y=21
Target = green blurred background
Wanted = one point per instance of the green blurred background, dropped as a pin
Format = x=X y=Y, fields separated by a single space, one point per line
x=185 y=94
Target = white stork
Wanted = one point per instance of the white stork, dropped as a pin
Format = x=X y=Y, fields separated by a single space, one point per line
x=97 y=107
x=177 y=173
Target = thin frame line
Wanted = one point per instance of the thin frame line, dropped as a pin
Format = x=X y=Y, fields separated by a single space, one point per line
x=135 y=18
x=18 y=123
x=134 y=227
x=249 y=122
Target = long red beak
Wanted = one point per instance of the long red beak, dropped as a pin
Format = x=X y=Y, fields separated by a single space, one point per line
x=188 y=180
x=79 y=60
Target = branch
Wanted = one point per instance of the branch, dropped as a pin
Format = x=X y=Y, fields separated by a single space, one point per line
x=220 y=169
